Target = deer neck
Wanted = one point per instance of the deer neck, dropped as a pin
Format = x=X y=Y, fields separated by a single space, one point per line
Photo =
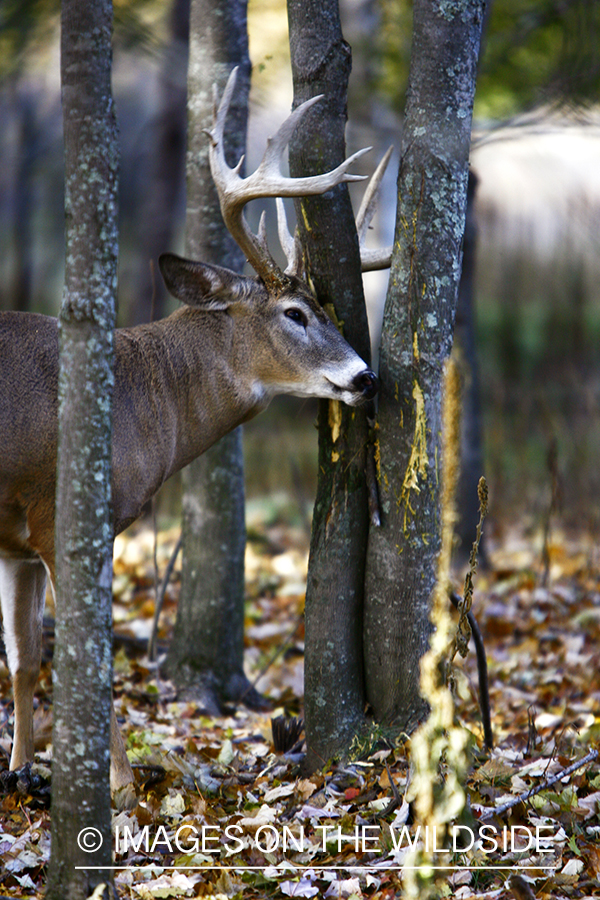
x=180 y=385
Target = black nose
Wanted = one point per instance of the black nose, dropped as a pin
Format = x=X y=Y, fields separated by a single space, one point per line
x=366 y=383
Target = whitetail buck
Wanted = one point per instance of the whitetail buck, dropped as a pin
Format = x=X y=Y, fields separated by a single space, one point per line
x=180 y=385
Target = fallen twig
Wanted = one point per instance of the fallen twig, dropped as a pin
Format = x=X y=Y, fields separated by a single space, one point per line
x=396 y=800
x=489 y=812
x=482 y=672
x=160 y=597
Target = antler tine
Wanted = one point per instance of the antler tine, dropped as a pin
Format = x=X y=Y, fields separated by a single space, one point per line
x=371 y=196
x=262 y=231
x=277 y=144
x=223 y=175
x=310 y=185
x=221 y=109
x=372 y=259
x=285 y=238
x=230 y=188
x=268 y=180
x=291 y=245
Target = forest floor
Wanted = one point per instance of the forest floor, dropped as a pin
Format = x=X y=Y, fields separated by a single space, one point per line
x=220 y=813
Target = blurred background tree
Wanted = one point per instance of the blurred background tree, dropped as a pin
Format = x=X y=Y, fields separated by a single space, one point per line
x=205 y=656
x=535 y=52
x=534 y=283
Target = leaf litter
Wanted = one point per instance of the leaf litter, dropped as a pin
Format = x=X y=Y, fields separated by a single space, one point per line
x=221 y=814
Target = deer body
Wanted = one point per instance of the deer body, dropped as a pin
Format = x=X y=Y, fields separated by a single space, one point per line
x=179 y=385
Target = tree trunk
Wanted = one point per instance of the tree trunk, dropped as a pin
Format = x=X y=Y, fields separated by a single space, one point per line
x=205 y=659
x=333 y=684
x=83 y=655
x=164 y=165
x=465 y=351
x=417 y=337
x=28 y=144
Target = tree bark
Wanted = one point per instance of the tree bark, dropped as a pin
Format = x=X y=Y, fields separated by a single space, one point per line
x=83 y=655
x=333 y=683
x=417 y=337
x=205 y=659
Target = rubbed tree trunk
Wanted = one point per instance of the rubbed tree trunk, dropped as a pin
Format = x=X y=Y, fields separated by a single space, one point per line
x=83 y=654
x=417 y=338
x=205 y=659
x=333 y=684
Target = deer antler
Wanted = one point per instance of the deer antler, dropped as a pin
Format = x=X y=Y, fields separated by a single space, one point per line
x=267 y=181
x=291 y=246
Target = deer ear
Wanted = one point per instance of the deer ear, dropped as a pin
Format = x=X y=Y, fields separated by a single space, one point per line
x=198 y=284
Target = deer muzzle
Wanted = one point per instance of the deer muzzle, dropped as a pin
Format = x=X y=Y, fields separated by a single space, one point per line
x=366 y=384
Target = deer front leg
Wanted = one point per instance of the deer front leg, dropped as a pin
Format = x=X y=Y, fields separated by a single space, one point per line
x=22 y=595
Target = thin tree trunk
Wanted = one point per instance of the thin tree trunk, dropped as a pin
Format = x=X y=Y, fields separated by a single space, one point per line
x=465 y=351
x=333 y=684
x=83 y=655
x=417 y=337
x=205 y=659
x=164 y=169
x=28 y=141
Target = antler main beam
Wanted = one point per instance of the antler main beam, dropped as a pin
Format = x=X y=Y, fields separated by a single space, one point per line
x=267 y=181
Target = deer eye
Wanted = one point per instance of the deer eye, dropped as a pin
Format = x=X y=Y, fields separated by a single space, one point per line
x=296 y=315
